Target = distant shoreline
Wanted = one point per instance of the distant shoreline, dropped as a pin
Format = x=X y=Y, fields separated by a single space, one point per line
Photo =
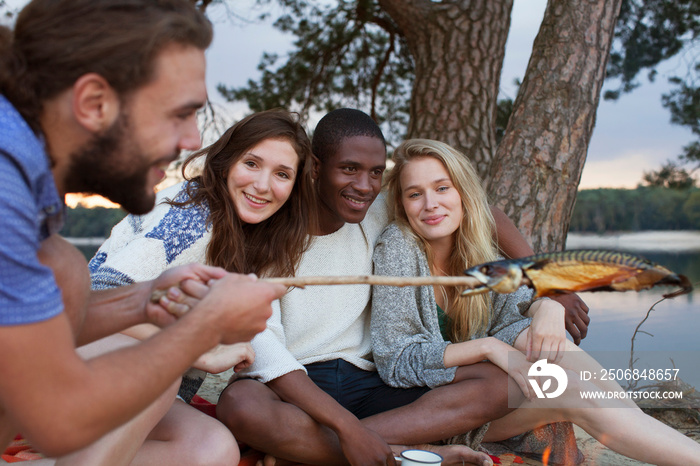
x=661 y=241
x=649 y=241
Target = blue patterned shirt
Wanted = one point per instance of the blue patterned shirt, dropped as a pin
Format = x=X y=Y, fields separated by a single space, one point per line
x=30 y=210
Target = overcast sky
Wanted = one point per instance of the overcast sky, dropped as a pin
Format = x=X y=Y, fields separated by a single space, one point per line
x=631 y=135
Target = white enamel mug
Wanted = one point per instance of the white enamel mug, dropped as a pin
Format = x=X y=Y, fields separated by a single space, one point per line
x=420 y=458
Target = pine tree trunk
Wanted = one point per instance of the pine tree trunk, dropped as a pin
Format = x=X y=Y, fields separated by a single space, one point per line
x=537 y=168
x=458 y=49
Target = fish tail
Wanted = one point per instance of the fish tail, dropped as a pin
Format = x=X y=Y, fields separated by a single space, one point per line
x=680 y=280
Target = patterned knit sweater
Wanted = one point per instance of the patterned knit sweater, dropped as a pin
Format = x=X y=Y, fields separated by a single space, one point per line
x=141 y=247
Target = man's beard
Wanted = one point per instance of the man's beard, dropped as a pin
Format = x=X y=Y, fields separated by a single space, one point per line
x=112 y=165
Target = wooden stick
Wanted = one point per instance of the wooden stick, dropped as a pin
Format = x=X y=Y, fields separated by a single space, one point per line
x=301 y=282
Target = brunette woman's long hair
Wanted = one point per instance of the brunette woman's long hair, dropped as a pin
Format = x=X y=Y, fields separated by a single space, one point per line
x=474 y=239
x=274 y=246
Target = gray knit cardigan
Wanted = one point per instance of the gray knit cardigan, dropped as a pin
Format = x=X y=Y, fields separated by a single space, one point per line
x=406 y=340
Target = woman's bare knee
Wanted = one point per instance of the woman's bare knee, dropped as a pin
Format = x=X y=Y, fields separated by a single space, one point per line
x=255 y=414
x=187 y=436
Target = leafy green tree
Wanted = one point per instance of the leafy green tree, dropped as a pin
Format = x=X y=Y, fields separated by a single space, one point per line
x=670 y=175
x=349 y=53
x=684 y=104
x=649 y=32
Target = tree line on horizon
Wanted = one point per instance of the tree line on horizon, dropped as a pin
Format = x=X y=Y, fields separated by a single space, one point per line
x=96 y=222
x=640 y=209
x=596 y=211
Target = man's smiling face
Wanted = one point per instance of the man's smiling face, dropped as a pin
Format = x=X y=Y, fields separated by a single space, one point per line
x=156 y=121
x=349 y=181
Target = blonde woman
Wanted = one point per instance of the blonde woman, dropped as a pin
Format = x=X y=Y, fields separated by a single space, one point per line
x=442 y=225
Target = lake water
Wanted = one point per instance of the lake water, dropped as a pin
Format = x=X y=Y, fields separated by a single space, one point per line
x=668 y=337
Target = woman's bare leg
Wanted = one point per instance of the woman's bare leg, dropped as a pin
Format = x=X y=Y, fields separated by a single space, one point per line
x=120 y=446
x=124 y=444
x=625 y=430
x=170 y=433
x=576 y=360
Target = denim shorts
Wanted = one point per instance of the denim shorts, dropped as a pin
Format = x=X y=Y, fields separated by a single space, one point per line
x=361 y=392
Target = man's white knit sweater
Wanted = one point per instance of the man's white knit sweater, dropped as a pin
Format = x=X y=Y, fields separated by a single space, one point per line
x=321 y=323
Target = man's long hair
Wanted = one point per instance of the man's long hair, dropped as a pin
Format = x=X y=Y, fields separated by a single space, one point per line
x=54 y=42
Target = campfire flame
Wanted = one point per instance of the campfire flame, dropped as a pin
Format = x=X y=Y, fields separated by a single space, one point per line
x=545 y=456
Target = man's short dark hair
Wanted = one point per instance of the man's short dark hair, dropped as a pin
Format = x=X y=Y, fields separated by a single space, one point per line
x=339 y=125
x=56 y=41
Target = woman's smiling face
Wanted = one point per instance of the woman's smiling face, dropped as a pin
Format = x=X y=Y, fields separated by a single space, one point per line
x=261 y=181
x=432 y=203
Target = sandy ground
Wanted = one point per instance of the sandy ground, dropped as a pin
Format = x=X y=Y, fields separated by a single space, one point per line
x=668 y=241
x=213 y=385
x=594 y=452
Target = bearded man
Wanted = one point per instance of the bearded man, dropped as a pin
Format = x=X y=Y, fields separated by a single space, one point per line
x=99 y=97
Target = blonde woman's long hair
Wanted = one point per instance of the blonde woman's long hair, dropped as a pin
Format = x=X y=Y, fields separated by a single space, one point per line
x=474 y=239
